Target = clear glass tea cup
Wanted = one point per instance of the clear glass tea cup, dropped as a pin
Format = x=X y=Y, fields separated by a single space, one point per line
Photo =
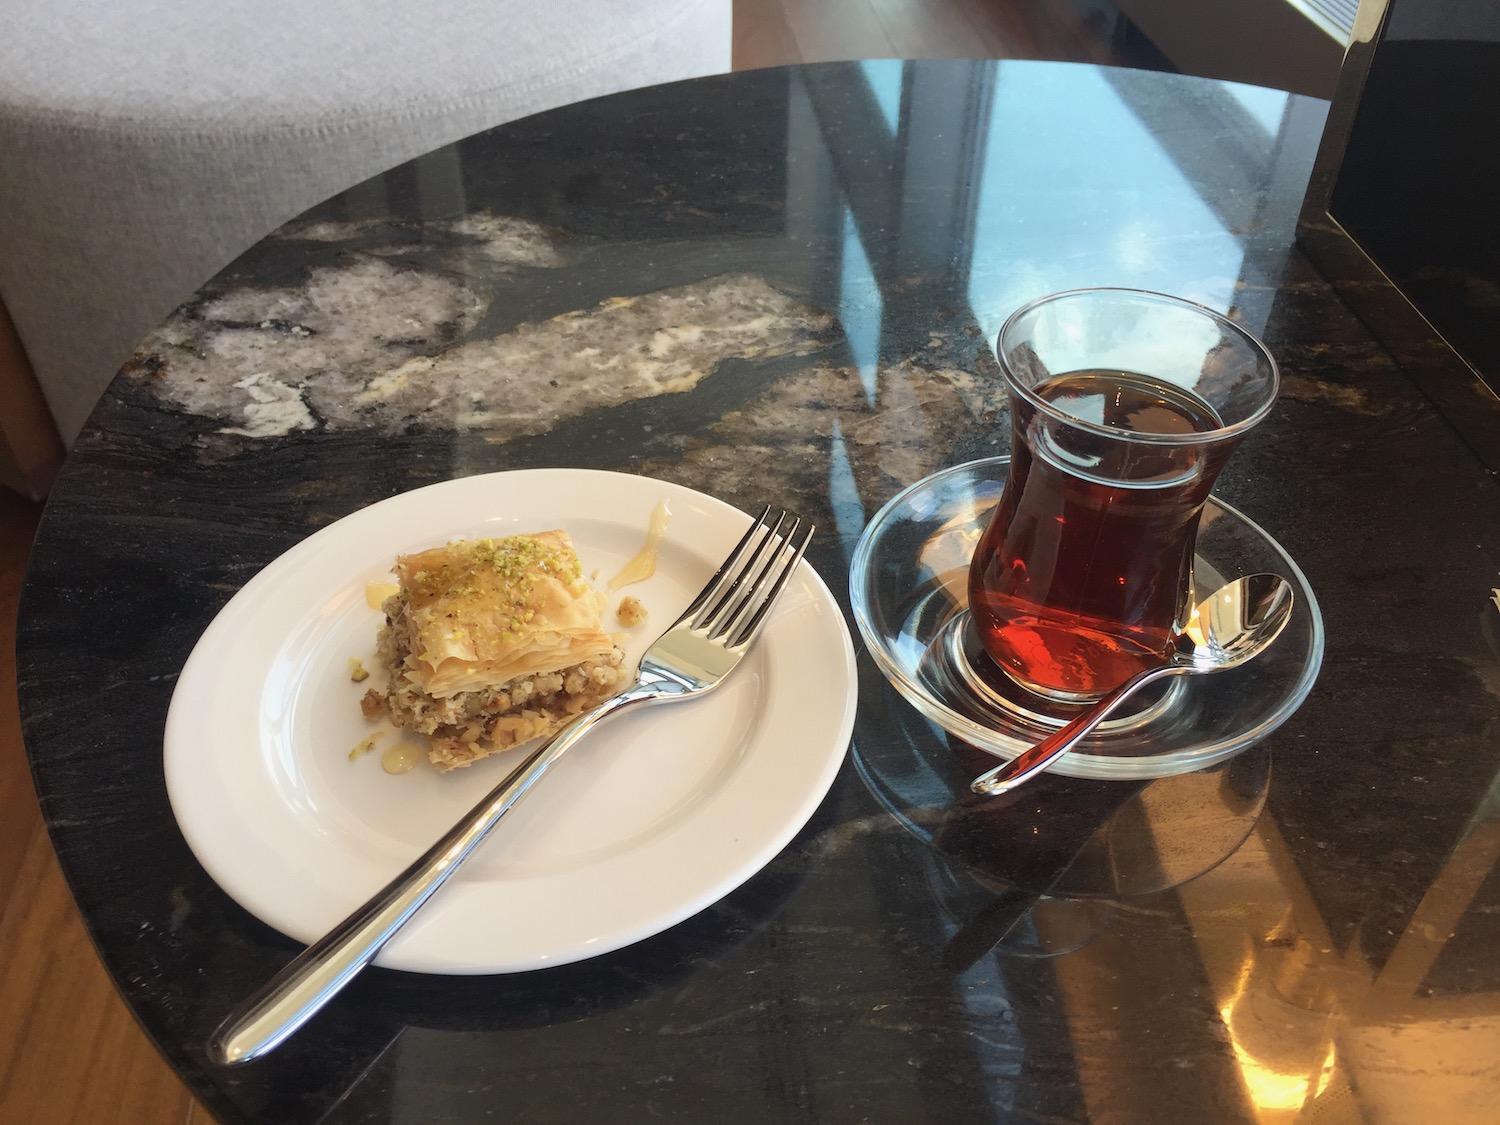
x=1125 y=405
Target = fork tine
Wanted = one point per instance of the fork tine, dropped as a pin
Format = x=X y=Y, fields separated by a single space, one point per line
x=748 y=630
x=713 y=619
x=713 y=586
x=752 y=579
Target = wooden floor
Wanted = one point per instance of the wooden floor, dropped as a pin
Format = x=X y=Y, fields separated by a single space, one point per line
x=773 y=32
x=70 y=1052
x=69 y=1049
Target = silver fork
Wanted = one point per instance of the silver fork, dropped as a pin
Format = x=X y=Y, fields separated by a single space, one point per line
x=689 y=659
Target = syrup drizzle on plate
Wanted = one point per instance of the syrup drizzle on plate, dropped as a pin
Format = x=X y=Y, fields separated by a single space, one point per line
x=643 y=566
x=401 y=757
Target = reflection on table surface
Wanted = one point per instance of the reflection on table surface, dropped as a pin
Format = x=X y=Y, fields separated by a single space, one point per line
x=783 y=285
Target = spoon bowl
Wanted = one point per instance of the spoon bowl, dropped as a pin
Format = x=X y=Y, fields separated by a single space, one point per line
x=1237 y=622
x=1232 y=625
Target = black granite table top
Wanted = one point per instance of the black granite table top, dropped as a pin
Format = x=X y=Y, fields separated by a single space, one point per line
x=784 y=285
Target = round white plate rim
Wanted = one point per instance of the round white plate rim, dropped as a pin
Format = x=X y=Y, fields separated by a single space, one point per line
x=731 y=834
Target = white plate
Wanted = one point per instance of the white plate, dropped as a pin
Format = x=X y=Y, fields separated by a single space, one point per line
x=656 y=815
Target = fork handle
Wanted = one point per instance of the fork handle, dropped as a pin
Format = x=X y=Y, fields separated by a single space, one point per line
x=319 y=972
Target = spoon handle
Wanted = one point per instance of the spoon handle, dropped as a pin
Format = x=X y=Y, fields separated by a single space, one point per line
x=1029 y=763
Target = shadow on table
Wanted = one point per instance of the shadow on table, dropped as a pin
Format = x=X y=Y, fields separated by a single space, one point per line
x=323 y=1062
x=1035 y=872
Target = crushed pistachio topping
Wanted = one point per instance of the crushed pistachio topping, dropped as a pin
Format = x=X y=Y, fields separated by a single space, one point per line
x=471 y=567
x=515 y=555
x=513 y=558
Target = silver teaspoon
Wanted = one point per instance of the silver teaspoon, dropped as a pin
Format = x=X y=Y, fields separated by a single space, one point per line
x=1235 y=623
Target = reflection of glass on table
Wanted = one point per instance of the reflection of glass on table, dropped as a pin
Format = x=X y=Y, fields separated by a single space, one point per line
x=1057 y=843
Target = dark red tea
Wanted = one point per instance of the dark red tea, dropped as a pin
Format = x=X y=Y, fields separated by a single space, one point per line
x=1080 y=578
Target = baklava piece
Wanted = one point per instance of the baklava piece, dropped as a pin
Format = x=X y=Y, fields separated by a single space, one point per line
x=491 y=643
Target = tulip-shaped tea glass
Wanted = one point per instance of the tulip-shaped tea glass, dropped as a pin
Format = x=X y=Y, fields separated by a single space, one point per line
x=1124 y=407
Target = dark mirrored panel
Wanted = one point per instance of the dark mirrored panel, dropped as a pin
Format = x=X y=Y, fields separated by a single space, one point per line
x=1417 y=185
x=1405 y=181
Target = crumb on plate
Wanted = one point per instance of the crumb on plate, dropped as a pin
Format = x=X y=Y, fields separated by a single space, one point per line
x=366 y=745
x=632 y=612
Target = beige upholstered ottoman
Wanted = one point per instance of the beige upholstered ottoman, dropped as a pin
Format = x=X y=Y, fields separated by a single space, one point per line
x=145 y=143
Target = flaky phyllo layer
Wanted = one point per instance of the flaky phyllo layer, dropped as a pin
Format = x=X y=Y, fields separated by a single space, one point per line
x=492 y=642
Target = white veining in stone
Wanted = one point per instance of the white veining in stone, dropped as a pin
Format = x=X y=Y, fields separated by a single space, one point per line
x=360 y=346
x=275 y=408
x=510 y=241
x=498 y=238
x=788 y=433
x=982 y=395
x=224 y=358
x=528 y=379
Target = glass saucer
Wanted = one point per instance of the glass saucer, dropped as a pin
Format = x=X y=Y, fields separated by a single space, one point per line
x=908 y=587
